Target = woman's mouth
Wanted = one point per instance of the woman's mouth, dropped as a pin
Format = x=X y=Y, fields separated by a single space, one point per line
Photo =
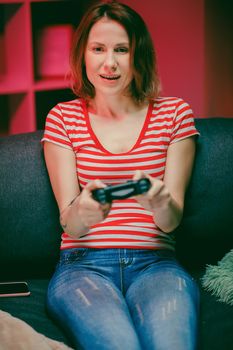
x=110 y=77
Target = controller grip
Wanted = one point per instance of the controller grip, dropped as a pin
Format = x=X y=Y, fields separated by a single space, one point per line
x=121 y=191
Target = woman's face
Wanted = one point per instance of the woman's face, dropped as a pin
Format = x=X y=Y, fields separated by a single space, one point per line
x=107 y=57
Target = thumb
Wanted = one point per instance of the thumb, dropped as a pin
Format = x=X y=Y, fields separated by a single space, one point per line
x=92 y=185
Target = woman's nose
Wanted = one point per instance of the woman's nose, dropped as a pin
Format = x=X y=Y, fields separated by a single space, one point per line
x=110 y=61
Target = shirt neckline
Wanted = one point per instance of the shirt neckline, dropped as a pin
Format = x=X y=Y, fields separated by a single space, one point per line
x=99 y=144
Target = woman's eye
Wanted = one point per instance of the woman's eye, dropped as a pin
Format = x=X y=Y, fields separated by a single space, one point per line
x=97 y=49
x=122 y=49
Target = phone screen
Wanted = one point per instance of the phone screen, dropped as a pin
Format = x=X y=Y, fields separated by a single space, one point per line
x=14 y=289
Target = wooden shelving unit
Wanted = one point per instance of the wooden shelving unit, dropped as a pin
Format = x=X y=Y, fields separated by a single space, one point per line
x=25 y=98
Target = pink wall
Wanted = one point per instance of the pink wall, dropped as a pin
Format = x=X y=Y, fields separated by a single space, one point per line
x=178 y=31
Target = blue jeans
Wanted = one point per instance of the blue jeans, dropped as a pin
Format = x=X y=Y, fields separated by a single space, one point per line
x=124 y=299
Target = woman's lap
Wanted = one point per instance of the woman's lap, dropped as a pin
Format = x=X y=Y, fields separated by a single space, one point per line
x=105 y=300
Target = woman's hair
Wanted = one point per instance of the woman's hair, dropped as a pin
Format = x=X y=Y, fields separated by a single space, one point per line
x=145 y=83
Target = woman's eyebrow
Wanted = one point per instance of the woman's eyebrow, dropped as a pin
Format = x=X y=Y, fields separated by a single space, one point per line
x=103 y=44
x=123 y=44
x=95 y=43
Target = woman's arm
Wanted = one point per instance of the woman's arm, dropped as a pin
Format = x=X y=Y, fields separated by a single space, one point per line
x=166 y=198
x=78 y=211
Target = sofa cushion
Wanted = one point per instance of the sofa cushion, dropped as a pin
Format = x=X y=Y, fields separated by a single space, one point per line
x=32 y=310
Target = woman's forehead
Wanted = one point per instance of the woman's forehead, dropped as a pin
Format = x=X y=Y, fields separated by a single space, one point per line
x=107 y=30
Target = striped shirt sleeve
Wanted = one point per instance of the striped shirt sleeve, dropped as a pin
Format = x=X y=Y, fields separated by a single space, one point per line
x=183 y=122
x=55 y=129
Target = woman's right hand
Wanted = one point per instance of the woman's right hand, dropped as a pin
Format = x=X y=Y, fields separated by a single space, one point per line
x=84 y=212
x=90 y=211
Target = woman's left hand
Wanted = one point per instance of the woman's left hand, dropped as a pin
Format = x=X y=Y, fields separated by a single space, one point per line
x=157 y=196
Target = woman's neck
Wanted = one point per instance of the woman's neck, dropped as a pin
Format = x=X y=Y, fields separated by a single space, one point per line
x=112 y=106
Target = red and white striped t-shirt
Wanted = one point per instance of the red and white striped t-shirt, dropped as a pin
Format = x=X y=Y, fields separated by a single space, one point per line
x=128 y=224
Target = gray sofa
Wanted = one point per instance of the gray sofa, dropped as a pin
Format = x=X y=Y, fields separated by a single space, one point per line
x=30 y=230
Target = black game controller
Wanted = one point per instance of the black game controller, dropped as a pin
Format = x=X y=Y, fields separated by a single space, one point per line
x=121 y=191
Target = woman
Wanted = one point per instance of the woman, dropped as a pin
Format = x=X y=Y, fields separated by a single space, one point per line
x=118 y=284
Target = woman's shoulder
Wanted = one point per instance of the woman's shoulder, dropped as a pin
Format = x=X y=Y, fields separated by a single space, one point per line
x=69 y=108
x=173 y=105
x=65 y=112
x=167 y=100
x=75 y=103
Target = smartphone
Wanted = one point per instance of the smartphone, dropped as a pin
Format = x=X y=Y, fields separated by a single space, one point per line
x=14 y=289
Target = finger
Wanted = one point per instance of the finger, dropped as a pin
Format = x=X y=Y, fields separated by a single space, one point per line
x=139 y=174
x=105 y=209
x=87 y=202
x=94 y=184
x=155 y=189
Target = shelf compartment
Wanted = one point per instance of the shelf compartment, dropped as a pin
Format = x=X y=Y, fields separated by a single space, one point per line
x=15 y=114
x=15 y=64
x=45 y=100
x=50 y=84
x=52 y=27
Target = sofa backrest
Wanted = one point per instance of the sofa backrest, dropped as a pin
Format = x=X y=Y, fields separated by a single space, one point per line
x=206 y=231
x=30 y=230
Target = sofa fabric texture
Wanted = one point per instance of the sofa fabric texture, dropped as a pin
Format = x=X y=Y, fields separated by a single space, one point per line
x=30 y=230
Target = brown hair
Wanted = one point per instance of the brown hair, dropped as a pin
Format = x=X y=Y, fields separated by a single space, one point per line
x=145 y=83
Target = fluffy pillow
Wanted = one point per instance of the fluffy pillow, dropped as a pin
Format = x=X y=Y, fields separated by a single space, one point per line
x=218 y=279
x=16 y=334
